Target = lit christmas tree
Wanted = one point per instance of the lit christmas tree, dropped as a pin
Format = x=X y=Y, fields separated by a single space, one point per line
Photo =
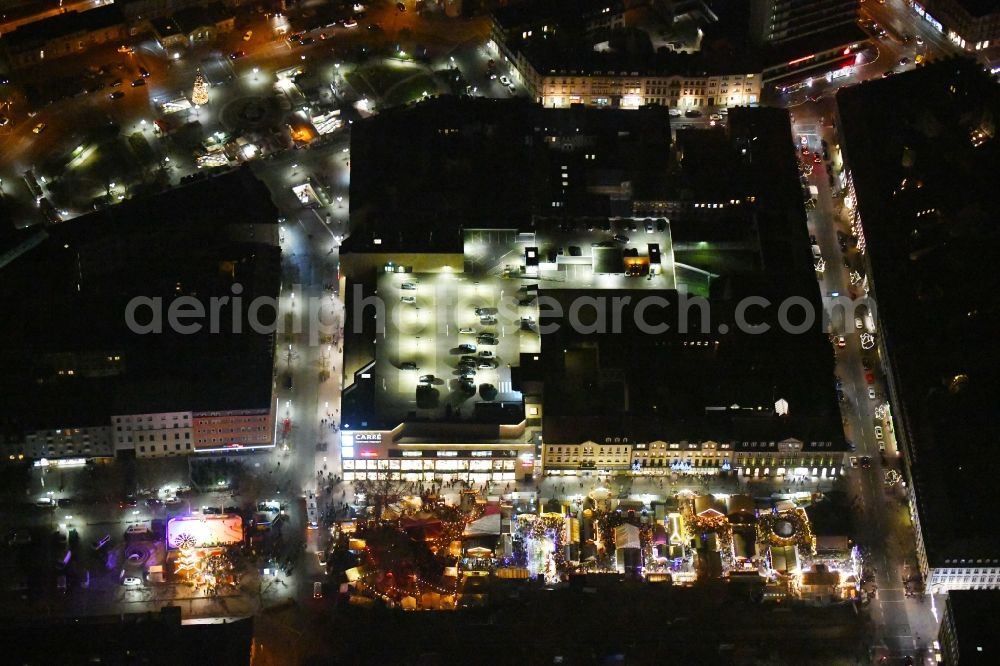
x=187 y=563
x=199 y=94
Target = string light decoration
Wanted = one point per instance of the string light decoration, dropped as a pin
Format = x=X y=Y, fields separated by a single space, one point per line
x=801 y=536
x=186 y=541
x=542 y=538
x=209 y=570
x=199 y=93
x=720 y=525
x=401 y=561
x=187 y=561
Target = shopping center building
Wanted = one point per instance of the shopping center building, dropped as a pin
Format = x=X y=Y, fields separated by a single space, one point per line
x=472 y=349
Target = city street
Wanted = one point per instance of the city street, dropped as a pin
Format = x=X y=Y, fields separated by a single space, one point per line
x=61 y=136
x=904 y=624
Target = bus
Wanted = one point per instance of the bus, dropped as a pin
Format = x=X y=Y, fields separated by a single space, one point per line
x=33 y=186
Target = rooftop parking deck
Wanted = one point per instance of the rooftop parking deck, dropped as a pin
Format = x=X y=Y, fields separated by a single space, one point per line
x=451 y=339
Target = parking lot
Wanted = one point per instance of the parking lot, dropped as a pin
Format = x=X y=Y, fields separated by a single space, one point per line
x=451 y=339
x=443 y=327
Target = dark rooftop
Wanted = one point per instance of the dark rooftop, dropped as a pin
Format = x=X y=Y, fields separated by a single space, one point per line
x=780 y=54
x=554 y=12
x=925 y=178
x=651 y=388
x=62 y=25
x=192 y=18
x=696 y=385
x=562 y=54
x=979 y=8
x=64 y=301
x=420 y=174
x=975 y=615
x=641 y=385
x=127 y=638
x=165 y=26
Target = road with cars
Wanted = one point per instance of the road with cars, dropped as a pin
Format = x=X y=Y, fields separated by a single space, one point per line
x=905 y=624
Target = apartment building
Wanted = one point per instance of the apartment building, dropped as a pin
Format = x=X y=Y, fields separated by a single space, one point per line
x=159 y=435
x=777 y=21
x=233 y=429
x=63 y=35
x=79 y=442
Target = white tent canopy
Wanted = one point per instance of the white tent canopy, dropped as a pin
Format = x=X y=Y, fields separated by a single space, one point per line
x=485 y=526
x=627 y=536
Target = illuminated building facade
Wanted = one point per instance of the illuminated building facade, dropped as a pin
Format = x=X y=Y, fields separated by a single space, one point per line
x=88 y=442
x=630 y=90
x=556 y=53
x=233 y=429
x=680 y=81
x=973 y=25
x=785 y=459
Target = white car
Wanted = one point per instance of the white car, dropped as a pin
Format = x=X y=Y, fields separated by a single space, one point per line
x=131 y=581
x=858 y=324
x=854 y=461
x=504 y=81
x=350 y=23
x=715 y=116
x=408 y=299
x=871 y=393
x=408 y=286
x=467 y=331
x=878 y=432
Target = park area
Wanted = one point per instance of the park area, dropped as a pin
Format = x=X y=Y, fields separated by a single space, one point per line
x=394 y=82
